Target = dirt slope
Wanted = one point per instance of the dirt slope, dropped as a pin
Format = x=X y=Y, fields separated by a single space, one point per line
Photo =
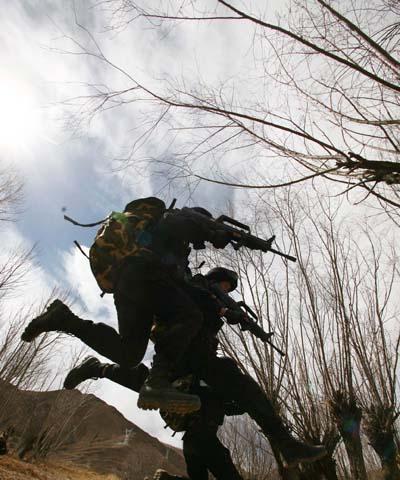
x=14 y=469
x=68 y=426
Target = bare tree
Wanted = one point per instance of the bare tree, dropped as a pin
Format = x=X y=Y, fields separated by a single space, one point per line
x=376 y=344
x=11 y=193
x=249 y=449
x=335 y=313
x=350 y=302
x=291 y=381
x=336 y=68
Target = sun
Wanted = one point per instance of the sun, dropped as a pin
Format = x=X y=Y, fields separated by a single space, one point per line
x=19 y=116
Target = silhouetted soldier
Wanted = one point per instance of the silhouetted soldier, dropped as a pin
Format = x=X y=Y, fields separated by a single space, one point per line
x=141 y=256
x=221 y=374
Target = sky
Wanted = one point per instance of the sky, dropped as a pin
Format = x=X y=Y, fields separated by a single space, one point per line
x=72 y=168
x=70 y=165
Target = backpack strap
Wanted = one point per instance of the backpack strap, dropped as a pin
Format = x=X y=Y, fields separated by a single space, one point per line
x=81 y=249
x=69 y=219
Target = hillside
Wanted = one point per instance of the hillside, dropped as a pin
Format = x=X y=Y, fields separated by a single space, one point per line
x=14 y=469
x=64 y=427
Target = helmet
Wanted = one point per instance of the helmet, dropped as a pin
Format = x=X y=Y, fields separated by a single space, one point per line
x=220 y=274
x=203 y=211
x=147 y=205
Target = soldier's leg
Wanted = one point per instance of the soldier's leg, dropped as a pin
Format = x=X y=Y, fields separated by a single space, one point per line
x=142 y=292
x=145 y=290
x=195 y=464
x=225 y=377
x=132 y=378
x=134 y=305
x=92 y=368
x=139 y=289
x=204 y=450
x=135 y=319
x=102 y=338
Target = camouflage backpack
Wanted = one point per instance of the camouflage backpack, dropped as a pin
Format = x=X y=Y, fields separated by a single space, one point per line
x=123 y=234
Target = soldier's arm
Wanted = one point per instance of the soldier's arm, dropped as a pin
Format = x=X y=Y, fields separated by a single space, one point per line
x=180 y=226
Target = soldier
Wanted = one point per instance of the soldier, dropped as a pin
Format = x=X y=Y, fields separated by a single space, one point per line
x=225 y=379
x=202 y=450
x=141 y=256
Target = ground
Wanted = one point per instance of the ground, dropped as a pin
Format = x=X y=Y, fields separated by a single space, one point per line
x=13 y=469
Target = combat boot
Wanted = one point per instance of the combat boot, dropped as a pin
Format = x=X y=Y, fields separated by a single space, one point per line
x=260 y=408
x=157 y=392
x=163 y=475
x=57 y=317
x=90 y=368
x=294 y=451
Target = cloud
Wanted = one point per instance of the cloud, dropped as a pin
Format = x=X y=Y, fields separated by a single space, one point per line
x=77 y=174
x=34 y=287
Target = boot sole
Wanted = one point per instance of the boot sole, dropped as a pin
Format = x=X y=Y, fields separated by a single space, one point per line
x=172 y=406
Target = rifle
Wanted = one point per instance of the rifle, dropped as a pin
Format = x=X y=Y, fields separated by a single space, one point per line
x=239 y=233
x=244 y=312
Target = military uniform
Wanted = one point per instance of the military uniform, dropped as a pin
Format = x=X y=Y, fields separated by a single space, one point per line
x=148 y=282
x=229 y=383
x=202 y=449
x=222 y=374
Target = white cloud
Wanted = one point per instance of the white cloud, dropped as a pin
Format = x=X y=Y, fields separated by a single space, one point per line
x=35 y=286
x=80 y=280
x=77 y=174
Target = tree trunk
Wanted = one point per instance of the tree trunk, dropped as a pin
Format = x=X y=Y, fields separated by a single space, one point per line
x=384 y=445
x=349 y=428
x=347 y=415
x=380 y=429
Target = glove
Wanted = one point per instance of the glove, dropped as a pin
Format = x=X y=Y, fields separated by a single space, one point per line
x=232 y=408
x=220 y=239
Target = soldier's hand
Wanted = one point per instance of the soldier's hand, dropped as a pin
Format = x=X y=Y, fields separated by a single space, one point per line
x=220 y=239
x=233 y=316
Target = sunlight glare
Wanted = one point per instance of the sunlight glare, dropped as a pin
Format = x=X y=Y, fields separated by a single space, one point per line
x=19 y=116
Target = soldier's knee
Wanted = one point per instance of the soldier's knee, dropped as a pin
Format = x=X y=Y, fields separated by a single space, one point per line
x=130 y=360
x=227 y=363
x=132 y=352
